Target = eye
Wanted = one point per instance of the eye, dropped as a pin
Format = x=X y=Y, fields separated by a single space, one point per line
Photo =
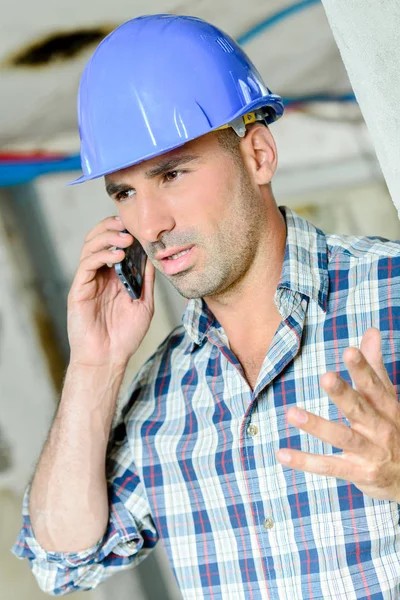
x=121 y=196
x=172 y=175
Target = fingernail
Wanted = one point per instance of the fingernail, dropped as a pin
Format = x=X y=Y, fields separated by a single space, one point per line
x=123 y=233
x=299 y=415
x=283 y=456
x=117 y=218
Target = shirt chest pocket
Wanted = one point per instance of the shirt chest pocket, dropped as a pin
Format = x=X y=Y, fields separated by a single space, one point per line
x=382 y=516
x=357 y=528
x=377 y=521
x=340 y=513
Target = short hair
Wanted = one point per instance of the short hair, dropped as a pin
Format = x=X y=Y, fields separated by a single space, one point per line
x=230 y=141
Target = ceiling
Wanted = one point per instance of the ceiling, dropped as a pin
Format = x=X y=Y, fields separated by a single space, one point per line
x=296 y=55
x=42 y=56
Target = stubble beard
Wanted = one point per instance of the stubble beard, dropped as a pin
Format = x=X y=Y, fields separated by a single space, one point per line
x=230 y=251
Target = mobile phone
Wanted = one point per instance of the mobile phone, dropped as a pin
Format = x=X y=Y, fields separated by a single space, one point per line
x=131 y=269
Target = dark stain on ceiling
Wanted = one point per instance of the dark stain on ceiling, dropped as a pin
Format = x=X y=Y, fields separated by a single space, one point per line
x=58 y=47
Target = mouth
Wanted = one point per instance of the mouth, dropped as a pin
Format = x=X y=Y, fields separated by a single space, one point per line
x=174 y=261
x=177 y=255
x=172 y=253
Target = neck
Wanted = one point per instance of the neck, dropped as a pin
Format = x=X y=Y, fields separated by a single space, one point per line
x=247 y=309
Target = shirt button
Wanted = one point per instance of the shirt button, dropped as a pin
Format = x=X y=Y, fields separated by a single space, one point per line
x=268 y=523
x=252 y=430
x=132 y=544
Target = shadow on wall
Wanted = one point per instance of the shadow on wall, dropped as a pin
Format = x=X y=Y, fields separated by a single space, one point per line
x=5 y=454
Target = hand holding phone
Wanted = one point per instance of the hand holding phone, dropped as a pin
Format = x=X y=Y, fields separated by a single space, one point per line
x=104 y=325
x=131 y=269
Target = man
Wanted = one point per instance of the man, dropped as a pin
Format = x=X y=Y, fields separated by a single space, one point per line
x=243 y=443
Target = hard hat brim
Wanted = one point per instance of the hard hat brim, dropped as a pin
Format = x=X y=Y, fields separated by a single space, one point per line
x=271 y=101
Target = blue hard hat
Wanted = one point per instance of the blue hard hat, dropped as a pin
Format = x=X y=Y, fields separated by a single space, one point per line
x=157 y=82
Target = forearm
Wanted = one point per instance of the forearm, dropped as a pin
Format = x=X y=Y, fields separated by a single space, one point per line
x=68 y=501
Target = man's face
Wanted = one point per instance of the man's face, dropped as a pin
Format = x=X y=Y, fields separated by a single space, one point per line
x=196 y=212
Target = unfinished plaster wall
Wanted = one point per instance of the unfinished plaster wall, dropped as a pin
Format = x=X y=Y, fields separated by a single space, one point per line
x=27 y=402
x=30 y=374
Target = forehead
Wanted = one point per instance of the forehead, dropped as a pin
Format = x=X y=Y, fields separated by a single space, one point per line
x=194 y=150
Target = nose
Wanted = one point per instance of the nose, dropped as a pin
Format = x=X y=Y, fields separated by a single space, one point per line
x=154 y=217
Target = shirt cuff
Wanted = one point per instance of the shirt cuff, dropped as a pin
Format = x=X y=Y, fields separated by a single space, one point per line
x=122 y=538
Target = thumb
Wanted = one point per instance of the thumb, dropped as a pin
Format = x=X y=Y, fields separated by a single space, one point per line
x=371 y=348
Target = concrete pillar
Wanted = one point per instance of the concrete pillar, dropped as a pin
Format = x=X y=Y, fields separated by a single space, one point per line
x=367 y=34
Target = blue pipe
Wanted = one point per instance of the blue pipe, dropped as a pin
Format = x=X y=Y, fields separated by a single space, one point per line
x=274 y=19
x=341 y=98
x=16 y=173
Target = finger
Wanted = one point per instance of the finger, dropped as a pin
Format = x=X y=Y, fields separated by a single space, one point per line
x=328 y=466
x=335 y=434
x=358 y=410
x=371 y=348
x=368 y=384
x=148 y=283
x=106 y=240
x=113 y=223
x=91 y=264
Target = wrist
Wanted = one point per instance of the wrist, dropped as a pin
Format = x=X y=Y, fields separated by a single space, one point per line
x=109 y=366
x=94 y=386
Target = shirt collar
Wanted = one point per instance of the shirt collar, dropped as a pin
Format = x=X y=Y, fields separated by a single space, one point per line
x=197 y=320
x=305 y=264
x=305 y=270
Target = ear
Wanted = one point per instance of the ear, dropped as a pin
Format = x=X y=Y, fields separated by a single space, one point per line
x=259 y=153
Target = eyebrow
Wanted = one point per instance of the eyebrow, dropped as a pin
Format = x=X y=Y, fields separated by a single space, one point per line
x=163 y=166
x=116 y=188
x=169 y=164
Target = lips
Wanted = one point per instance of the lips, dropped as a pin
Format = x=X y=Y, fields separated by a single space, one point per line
x=176 y=260
x=171 y=252
x=178 y=255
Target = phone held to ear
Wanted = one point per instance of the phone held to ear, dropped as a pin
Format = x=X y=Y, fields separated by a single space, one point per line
x=131 y=269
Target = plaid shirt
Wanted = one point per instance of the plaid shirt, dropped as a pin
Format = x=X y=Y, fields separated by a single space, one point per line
x=192 y=457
